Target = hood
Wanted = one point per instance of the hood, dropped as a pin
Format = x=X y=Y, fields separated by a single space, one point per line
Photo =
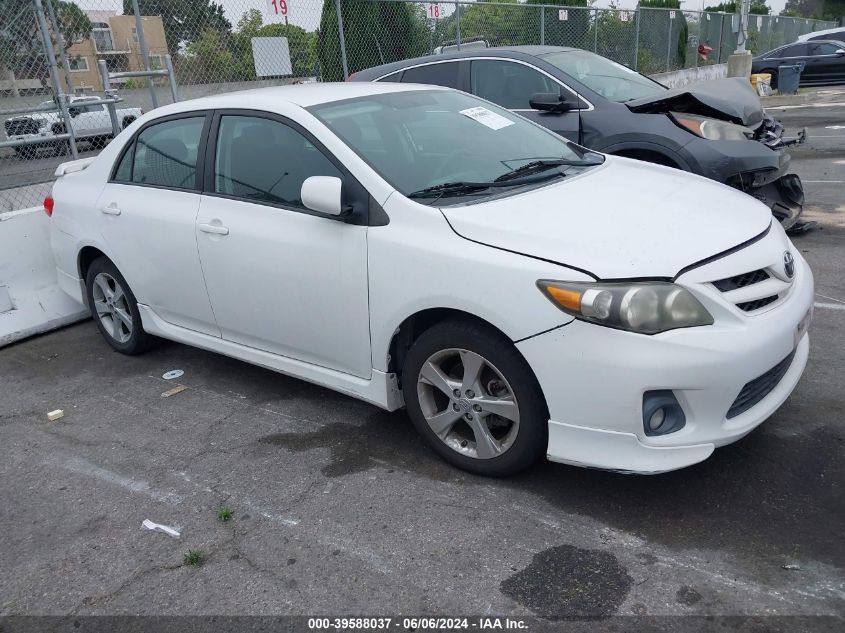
x=733 y=99
x=624 y=219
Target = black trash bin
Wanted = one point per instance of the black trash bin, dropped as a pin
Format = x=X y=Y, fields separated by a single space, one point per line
x=789 y=76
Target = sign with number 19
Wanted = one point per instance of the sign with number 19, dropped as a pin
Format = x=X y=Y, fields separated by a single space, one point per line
x=277 y=7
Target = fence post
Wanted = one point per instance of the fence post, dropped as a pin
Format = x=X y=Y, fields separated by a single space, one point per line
x=61 y=42
x=54 y=76
x=669 y=43
x=111 y=93
x=719 y=48
x=145 y=54
x=637 y=38
x=168 y=62
x=342 y=39
x=542 y=24
x=458 y=34
x=596 y=31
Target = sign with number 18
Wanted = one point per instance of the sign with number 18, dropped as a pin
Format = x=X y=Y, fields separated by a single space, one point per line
x=434 y=11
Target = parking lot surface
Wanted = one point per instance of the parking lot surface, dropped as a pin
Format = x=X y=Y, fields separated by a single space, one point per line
x=339 y=507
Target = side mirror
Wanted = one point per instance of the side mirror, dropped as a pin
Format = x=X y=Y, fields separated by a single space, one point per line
x=551 y=102
x=73 y=112
x=840 y=52
x=323 y=194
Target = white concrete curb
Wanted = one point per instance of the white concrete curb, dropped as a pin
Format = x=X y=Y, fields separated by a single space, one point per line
x=691 y=75
x=30 y=299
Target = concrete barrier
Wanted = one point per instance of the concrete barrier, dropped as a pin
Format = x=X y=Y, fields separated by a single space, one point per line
x=30 y=299
x=691 y=75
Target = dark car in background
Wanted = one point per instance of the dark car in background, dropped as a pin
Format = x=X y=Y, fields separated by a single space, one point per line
x=823 y=61
x=716 y=129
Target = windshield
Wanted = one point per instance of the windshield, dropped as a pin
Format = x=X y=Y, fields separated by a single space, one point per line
x=420 y=139
x=611 y=80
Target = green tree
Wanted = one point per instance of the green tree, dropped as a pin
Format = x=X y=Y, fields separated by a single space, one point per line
x=758 y=7
x=375 y=33
x=301 y=44
x=663 y=40
x=184 y=20
x=21 y=46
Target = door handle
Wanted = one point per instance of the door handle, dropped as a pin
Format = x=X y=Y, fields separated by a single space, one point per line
x=215 y=229
x=110 y=210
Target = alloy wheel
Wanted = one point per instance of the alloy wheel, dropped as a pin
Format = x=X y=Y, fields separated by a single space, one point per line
x=112 y=307
x=468 y=403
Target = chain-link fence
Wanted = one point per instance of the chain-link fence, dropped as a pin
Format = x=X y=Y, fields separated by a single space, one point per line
x=74 y=72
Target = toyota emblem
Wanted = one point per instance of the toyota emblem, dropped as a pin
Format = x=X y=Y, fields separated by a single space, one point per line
x=788 y=264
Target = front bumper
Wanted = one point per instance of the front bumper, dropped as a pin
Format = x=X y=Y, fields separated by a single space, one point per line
x=594 y=378
x=758 y=168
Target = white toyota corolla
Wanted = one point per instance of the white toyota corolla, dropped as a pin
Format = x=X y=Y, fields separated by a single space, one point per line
x=417 y=246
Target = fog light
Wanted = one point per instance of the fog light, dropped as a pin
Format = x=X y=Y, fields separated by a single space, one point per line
x=657 y=418
x=662 y=413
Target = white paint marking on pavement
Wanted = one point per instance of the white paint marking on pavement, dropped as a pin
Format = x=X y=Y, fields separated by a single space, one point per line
x=824 y=181
x=83 y=467
x=834 y=127
x=807 y=105
x=829 y=306
x=818 y=294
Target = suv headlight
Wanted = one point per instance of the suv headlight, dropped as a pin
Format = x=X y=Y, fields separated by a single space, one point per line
x=646 y=307
x=712 y=129
x=42 y=123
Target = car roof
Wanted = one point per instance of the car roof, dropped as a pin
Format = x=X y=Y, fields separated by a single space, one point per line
x=515 y=52
x=807 y=36
x=303 y=95
x=779 y=48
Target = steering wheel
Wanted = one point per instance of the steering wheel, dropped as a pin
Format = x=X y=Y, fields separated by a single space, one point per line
x=447 y=165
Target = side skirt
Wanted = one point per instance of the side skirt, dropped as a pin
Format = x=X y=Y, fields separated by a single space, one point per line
x=381 y=389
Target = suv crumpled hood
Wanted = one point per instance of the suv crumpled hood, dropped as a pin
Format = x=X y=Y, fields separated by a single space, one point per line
x=624 y=219
x=731 y=99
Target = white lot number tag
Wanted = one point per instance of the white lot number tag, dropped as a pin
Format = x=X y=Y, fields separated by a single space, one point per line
x=433 y=11
x=562 y=15
x=486 y=117
x=671 y=15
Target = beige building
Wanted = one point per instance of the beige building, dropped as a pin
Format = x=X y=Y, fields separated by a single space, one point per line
x=114 y=39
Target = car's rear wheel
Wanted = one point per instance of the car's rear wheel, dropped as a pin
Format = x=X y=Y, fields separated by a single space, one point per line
x=474 y=398
x=114 y=308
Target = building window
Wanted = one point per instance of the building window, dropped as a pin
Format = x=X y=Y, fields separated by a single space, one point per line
x=78 y=64
x=156 y=62
x=102 y=37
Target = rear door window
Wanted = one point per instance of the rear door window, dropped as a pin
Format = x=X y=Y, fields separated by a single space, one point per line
x=165 y=154
x=796 y=50
x=442 y=74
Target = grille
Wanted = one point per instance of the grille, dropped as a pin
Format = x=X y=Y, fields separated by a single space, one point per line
x=754 y=391
x=741 y=281
x=21 y=126
x=750 y=306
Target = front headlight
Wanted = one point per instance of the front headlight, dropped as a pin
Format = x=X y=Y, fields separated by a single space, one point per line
x=712 y=129
x=646 y=307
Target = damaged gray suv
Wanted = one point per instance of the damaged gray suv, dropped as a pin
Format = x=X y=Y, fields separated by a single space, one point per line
x=716 y=129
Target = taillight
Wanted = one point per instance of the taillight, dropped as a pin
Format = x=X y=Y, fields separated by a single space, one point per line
x=351 y=76
x=48 y=206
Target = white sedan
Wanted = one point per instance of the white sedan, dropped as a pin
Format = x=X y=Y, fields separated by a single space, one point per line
x=419 y=247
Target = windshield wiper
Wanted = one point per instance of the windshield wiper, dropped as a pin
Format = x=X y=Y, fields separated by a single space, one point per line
x=543 y=165
x=452 y=188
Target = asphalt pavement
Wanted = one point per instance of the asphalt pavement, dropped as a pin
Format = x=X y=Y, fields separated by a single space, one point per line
x=339 y=508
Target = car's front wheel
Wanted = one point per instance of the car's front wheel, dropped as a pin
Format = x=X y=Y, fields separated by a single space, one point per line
x=115 y=309
x=474 y=398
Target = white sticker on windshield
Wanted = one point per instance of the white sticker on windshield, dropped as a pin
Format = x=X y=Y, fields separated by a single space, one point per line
x=487 y=117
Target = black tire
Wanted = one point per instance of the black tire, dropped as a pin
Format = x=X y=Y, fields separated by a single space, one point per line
x=127 y=122
x=774 y=74
x=137 y=341
x=27 y=152
x=531 y=435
